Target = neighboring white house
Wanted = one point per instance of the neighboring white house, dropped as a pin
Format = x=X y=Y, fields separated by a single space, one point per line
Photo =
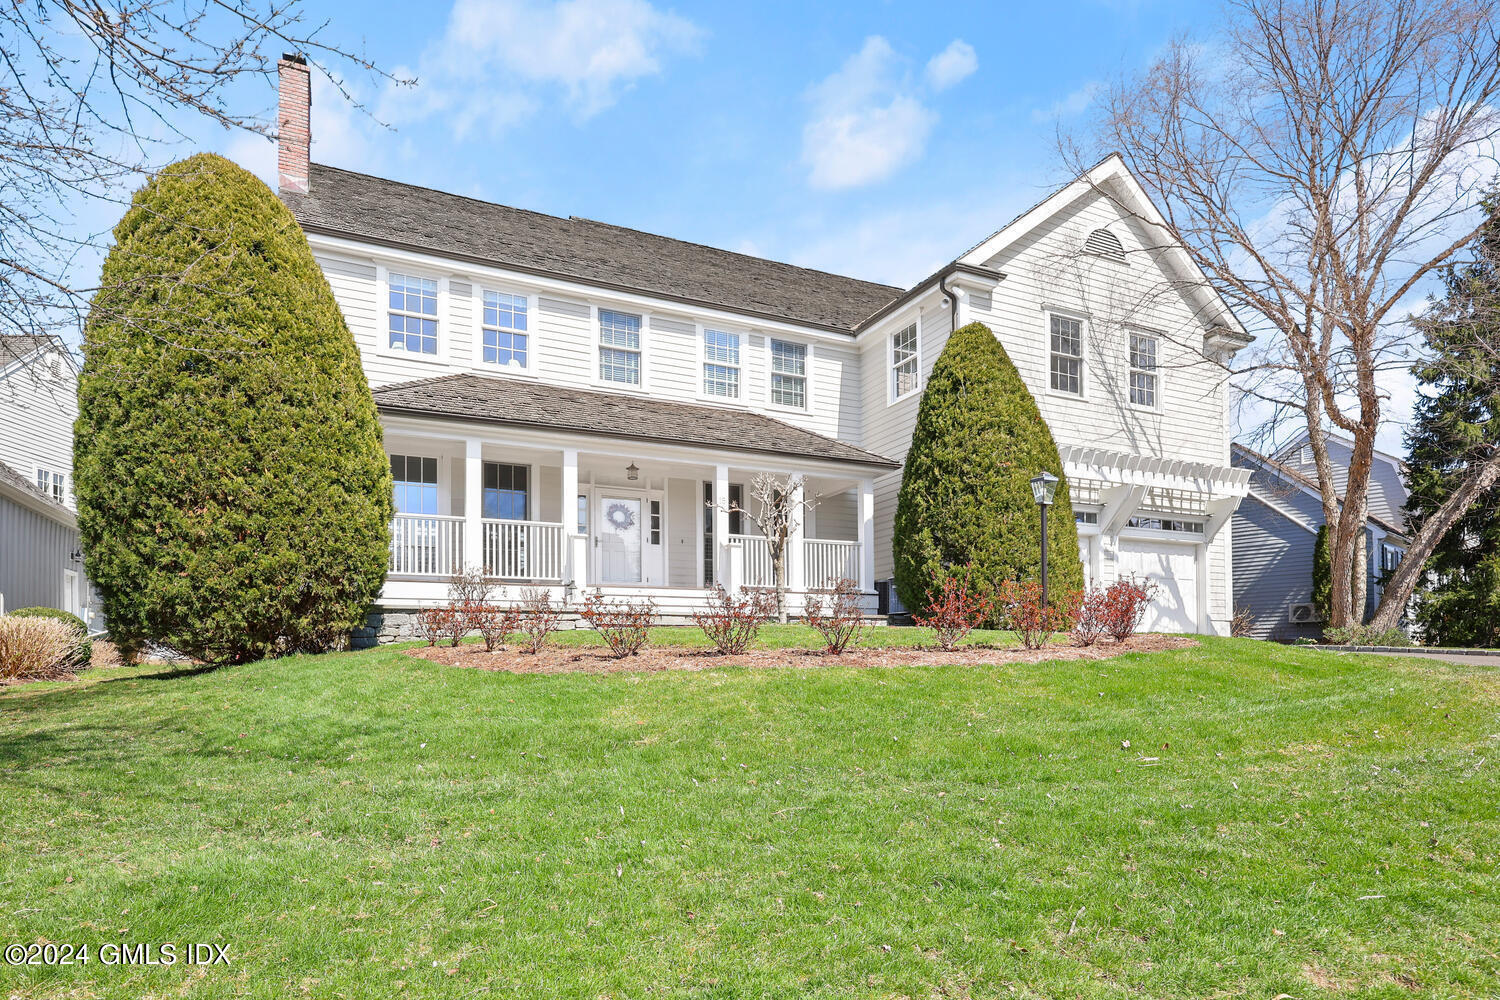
x=40 y=560
x=1276 y=529
x=563 y=399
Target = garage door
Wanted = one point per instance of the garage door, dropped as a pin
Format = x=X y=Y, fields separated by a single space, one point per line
x=1174 y=569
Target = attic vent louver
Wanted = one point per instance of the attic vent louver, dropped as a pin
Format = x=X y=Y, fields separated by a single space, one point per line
x=1104 y=243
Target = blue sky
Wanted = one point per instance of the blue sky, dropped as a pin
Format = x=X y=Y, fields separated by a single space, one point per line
x=874 y=139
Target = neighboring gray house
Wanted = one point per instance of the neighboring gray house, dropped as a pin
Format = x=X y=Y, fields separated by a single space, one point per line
x=40 y=560
x=1276 y=528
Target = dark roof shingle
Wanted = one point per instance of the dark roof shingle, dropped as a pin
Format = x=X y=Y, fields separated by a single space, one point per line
x=534 y=404
x=359 y=206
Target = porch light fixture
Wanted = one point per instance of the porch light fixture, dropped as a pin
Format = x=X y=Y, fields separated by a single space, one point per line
x=1043 y=488
x=632 y=473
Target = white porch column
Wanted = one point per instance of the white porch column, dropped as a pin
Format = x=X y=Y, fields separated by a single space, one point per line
x=796 y=551
x=721 y=525
x=867 y=535
x=473 y=504
x=576 y=553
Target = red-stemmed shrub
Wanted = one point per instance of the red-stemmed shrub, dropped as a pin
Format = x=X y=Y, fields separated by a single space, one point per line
x=1093 y=619
x=625 y=625
x=841 y=620
x=1128 y=600
x=731 y=625
x=1022 y=611
x=493 y=622
x=953 y=612
x=443 y=624
x=539 y=618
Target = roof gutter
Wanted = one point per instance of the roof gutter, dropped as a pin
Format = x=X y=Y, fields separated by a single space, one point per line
x=939 y=280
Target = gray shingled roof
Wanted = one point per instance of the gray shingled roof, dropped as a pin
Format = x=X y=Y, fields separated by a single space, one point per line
x=14 y=346
x=636 y=418
x=341 y=202
x=13 y=479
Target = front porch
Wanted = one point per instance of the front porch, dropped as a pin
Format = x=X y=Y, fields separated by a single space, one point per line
x=644 y=519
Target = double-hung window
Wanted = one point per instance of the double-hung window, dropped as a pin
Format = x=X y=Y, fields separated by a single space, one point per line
x=619 y=347
x=506 y=342
x=505 y=491
x=54 y=484
x=412 y=314
x=905 y=373
x=1067 y=355
x=789 y=374
x=416 y=484
x=1143 y=370
x=721 y=364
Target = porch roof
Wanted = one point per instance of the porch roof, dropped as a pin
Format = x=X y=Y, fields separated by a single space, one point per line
x=533 y=404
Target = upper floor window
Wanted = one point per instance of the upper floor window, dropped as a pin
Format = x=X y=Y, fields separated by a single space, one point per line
x=1143 y=370
x=1067 y=355
x=504 y=324
x=789 y=374
x=505 y=491
x=416 y=484
x=721 y=364
x=619 y=347
x=905 y=370
x=54 y=484
x=413 y=313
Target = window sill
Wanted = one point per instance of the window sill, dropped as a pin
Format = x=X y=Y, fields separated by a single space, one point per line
x=425 y=359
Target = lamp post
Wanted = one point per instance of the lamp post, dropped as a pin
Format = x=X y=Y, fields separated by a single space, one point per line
x=1043 y=488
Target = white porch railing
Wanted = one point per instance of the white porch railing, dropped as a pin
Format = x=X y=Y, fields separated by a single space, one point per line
x=426 y=545
x=757 y=559
x=828 y=562
x=523 y=550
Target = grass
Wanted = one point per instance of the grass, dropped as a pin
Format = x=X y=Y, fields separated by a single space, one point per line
x=1284 y=821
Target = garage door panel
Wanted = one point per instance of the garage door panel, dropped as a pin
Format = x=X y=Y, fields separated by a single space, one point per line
x=1174 y=570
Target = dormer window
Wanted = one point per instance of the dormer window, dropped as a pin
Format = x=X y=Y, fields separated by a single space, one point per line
x=1103 y=243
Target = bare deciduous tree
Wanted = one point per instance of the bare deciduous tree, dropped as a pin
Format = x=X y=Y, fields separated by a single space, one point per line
x=779 y=508
x=1316 y=162
x=93 y=96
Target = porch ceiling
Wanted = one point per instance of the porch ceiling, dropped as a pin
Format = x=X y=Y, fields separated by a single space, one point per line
x=531 y=404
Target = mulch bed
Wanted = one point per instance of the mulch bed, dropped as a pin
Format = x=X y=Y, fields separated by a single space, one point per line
x=558 y=659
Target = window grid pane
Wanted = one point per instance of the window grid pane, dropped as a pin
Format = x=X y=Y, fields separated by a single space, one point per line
x=1067 y=355
x=620 y=347
x=504 y=326
x=721 y=360
x=904 y=369
x=1142 y=370
x=415 y=484
x=413 y=313
x=788 y=374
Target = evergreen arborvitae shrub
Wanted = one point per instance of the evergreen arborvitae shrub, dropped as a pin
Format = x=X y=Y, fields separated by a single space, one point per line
x=233 y=493
x=966 y=507
x=1322 y=573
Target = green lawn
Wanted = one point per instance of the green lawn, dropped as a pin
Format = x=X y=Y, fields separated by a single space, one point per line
x=1285 y=821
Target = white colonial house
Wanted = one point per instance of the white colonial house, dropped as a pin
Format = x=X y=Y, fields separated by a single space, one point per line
x=573 y=404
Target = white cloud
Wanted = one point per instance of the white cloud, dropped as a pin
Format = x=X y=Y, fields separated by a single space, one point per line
x=951 y=65
x=1069 y=106
x=868 y=120
x=500 y=60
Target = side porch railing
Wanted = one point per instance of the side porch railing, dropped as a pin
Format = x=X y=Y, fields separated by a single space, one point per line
x=426 y=545
x=523 y=550
x=826 y=561
x=433 y=546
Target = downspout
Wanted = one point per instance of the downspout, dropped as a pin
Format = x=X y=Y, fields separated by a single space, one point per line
x=952 y=302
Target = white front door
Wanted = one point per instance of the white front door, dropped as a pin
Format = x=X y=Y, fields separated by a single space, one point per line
x=1173 y=567
x=618 y=539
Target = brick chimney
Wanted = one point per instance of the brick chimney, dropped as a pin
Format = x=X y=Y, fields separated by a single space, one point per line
x=293 y=132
